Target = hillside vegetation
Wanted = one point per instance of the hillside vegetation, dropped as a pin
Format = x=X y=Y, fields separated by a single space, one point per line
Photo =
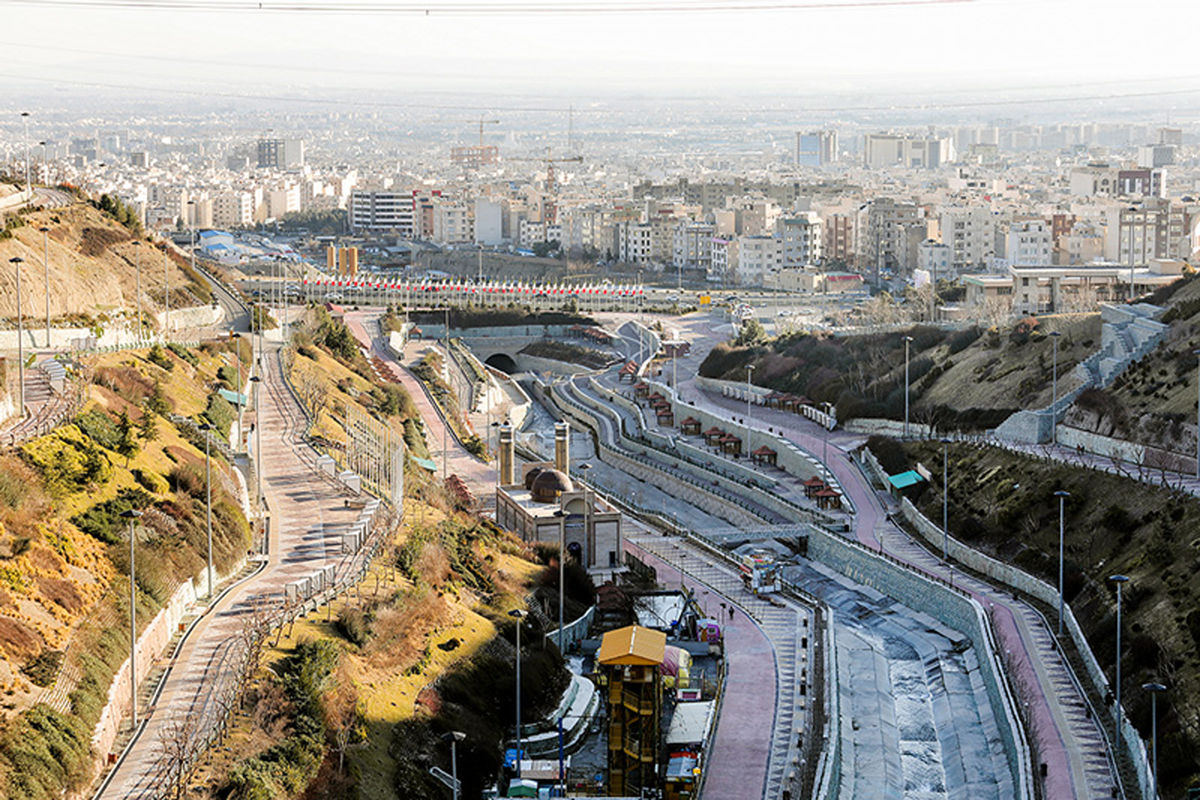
x=1004 y=504
x=64 y=556
x=1154 y=401
x=93 y=267
x=971 y=378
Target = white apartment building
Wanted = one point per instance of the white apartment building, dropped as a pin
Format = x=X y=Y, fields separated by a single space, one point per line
x=935 y=258
x=882 y=150
x=693 y=245
x=382 y=211
x=891 y=232
x=758 y=256
x=723 y=259
x=1155 y=229
x=532 y=232
x=1093 y=180
x=1029 y=243
x=635 y=242
x=283 y=200
x=453 y=223
x=802 y=241
x=233 y=210
x=971 y=234
x=489 y=221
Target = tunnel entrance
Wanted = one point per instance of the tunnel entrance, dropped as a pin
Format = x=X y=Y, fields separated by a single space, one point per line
x=502 y=362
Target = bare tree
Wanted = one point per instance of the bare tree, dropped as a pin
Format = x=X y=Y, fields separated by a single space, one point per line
x=313 y=391
x=344 y=717
x=179 y=747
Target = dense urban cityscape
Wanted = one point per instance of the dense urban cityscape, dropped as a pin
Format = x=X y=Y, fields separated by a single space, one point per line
x=521 y=413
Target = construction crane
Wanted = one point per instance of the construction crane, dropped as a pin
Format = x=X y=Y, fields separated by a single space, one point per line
x=483 y=122
x=550 y=213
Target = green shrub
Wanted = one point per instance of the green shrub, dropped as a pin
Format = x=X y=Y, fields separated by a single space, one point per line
x=104 y=521
x=43 y=669
x=184 y=353
x=220 y=414
x=354 y=624
x=159 y=358
x=150 y=480
x=100 y=428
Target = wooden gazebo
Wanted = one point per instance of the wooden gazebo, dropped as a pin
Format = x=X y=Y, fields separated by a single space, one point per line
x=690 y=426
x=665 y=415
x=814 y=485
x=641 y=389
x=764 y=455
x=829 y=498
x=627 y=371
x=731 y=445
x=713 y=435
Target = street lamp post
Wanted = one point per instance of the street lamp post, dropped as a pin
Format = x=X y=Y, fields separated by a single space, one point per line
x=454 y=737
x=1154 y=689
x=1062 y=496
x=945 y=499
x=28 y=185
x=749 y=375
x=520 y=615
x=207 y=428
x=46 y=262
x=17 y=261
x=167 y=293
x=1054 y=395
x=1119 y=580
x=1197 y=354
x=137 y=249
x=258 y=421
x=131 y=515
x=907 y=342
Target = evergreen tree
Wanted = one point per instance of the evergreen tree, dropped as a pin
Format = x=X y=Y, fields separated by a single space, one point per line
x=127 y=443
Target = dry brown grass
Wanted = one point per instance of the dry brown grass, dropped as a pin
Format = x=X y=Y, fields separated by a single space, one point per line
x=18 y=642
x=60 y=592
x=401 y=631
x=96 y=241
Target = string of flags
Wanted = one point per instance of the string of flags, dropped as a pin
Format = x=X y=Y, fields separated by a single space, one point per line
x=461 y=288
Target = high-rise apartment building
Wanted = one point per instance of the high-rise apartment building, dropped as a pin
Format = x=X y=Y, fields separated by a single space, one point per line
x=882 y=150
x=970 y=231
x=280 y=153
x=383 y=211
x=816 y=149
x=890 y=232
x=801 y=235
x=1029 y=243
x=838 y=238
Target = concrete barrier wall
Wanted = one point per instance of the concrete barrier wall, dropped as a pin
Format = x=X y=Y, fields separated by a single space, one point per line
x=573 y=632
x=888 y=427
x=528 y=363
x=1009 y=575
x=948 y=606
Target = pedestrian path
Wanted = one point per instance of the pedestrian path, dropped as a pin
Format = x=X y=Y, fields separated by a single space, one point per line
x=1069 y=742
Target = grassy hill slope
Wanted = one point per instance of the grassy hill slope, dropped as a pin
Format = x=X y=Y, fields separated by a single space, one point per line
x=971 y=378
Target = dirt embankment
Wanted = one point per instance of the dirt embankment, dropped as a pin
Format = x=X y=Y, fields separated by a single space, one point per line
x=93 y=267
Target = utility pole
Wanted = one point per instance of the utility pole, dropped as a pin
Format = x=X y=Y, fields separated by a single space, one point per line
x=131 y=515
x=46 y=261
x=17 y=261
x=907 y=342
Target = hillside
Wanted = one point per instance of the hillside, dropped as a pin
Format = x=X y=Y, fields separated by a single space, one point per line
x=63 y=552
x=93 y=267
x=1154 y=401
x=1004 y=505
x=972 y=378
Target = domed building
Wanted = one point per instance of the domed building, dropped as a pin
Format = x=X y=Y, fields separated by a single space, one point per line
x=547 y=505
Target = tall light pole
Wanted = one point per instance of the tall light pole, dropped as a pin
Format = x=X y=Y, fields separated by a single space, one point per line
x=28 y=185
x=258 y=421
x=454 y=737
x=446 y=414
x=137 y=260
x=907 y=342
x=1054 y=398
x=1062 y=496
x=17 y=261
x=946 y=499
x=749 y=375
x=1154 y=689
x=1119 y=580
x=46 y=261
x=1197 y=354
x=130 y=515
x=236 y=338
x=520 y=615
x=207 y=428
x=167 y=297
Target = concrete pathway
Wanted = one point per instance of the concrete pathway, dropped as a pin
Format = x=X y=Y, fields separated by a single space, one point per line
x=307 y=518
x=1070 y=744
x=479 y=477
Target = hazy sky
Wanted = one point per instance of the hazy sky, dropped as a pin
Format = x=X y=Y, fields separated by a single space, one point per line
x=1112 y=47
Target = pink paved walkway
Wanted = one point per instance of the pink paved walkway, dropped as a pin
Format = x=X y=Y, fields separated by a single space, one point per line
x=479 y=477
x=871 y=521
x=742 y=743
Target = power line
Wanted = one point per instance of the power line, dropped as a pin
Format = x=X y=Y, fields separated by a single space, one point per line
x=1075 y=98
x=502 y=8
x=159 y=59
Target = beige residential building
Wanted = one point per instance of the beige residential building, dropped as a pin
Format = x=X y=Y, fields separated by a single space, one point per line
x=1046 y=290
